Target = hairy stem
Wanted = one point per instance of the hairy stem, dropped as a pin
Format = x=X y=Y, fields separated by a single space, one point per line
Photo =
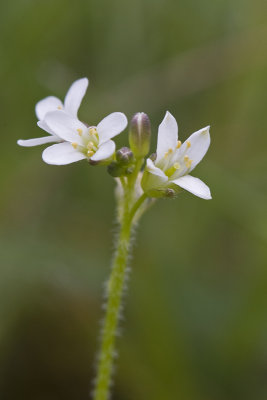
x=114 y=293
x=115 y=288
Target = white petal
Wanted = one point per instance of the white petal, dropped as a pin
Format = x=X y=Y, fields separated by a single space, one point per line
x=199 y=144
x=37 y=141
x=154 y=181
x=75 y=95
x=61 y=154
x=43 y=125
x=150 y=167
x=167 y=135
x=106 y=150
x=65 y=126
x=194 y=185
x=111 y=126
x=46 y=105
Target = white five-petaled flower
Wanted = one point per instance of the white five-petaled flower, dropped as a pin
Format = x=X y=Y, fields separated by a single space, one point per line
x=75 y=140
x=71 y=105
x=81 y=141
x=174 y=161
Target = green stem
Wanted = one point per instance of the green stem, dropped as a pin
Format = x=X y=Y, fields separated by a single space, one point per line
x=132 y=178
x=115 y=288
x=136 y=205
x=114 y=291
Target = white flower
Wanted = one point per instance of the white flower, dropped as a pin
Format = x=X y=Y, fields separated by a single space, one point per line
x=174 y=161
x=71 y=105
x=81 y=141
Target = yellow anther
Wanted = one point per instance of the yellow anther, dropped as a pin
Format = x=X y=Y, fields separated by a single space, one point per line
x=187 y=161
x=93 y=131
x=59 y=107
x=179 y=144
x=188 y=144
x=90 y=153
x=74 y=145
x=176 y=165
x=80 y=131
x=90 y=145
x=170 y=151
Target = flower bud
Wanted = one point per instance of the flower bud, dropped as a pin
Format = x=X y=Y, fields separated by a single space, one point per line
x=115 y=169
x=124 y=156
x=139 y=136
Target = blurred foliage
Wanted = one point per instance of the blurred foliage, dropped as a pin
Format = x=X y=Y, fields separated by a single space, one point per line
x=195 y=326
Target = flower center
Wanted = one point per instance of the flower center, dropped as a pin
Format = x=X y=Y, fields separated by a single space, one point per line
x=176 y=166
x=176 y=163
x=90 y=141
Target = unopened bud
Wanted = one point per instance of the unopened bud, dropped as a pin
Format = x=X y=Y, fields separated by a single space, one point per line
x=115 y=170
x=139 y=136
x=124 y=155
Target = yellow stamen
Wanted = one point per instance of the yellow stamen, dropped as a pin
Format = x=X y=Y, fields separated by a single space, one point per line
x=187 y=161
x=93 y=131
x=90 y=153
x=176 y=165
x=74 y=145
x=170 y=151
x=188 y=144
x=59 y=107
x=80 y=131
x=179 y=144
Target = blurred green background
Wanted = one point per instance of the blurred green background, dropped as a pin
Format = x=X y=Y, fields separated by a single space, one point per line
x=195 y=323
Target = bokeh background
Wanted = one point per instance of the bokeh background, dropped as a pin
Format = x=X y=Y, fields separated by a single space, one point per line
x=195 y=323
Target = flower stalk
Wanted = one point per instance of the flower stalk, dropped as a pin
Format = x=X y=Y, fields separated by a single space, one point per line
x=115 y=288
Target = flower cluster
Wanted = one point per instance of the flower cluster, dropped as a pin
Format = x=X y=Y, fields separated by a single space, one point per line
x=166 y=172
